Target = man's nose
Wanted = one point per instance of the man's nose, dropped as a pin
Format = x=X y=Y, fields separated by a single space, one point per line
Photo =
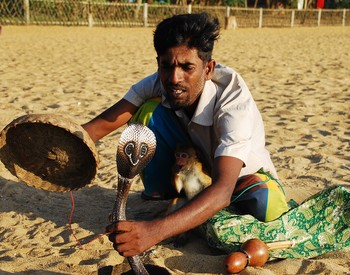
x=176 y=75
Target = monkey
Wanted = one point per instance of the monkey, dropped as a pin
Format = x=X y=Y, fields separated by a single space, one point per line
x=189 y=177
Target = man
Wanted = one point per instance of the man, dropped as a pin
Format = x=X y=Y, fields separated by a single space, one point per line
x=203 y=103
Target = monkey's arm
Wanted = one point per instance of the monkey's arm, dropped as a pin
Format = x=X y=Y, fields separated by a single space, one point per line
x=177 y=182
x=204 y=178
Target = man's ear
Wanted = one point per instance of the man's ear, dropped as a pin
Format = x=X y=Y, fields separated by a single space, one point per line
x=209 y=69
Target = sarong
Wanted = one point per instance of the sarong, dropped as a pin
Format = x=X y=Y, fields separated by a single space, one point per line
x=319 y=225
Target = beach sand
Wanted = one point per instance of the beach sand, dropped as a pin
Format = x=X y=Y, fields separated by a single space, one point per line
x=299 y=78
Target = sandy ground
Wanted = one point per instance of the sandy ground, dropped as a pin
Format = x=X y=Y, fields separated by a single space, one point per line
x=299 y=78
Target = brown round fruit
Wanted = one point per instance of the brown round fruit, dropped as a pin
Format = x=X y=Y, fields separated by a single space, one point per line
x=236 y=262
x=257 y=251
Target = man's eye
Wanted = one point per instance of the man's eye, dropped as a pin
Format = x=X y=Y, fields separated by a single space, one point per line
x=165 y=67
x=187 y=68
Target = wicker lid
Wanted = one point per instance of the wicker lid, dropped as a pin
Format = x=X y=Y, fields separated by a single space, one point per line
x=49 y=152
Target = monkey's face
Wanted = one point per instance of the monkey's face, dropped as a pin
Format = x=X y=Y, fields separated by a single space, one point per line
x=181 y=159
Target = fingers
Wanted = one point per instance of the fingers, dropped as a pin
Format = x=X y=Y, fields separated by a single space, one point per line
x=119 y=238
x=121 y=248
x=123 y=238
x=120 y=226
x=110 y=228
x=117 y=241
x=116 y=232
x=123 y=245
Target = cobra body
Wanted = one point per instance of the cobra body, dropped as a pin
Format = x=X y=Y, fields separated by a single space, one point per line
x=136 y=148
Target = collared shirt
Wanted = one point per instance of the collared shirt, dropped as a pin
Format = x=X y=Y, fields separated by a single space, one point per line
x=226 y=121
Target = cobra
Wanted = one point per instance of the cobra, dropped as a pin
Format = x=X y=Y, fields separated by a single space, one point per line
x=136 y=148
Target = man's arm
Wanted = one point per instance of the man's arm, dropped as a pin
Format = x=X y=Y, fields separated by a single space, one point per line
x=111 y=119
x=136 y=237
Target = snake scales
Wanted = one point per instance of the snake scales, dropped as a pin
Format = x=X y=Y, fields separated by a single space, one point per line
x=136 y=148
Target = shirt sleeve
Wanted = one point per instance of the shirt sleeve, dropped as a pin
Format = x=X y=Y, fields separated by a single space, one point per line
x=143 y=90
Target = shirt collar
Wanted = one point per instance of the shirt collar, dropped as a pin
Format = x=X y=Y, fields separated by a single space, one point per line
x=203 y=114
x=205 y=109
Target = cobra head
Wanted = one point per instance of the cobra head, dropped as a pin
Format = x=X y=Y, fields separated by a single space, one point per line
x=136 y=148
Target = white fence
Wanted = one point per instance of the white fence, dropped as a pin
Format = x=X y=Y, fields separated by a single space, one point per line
x=91 y=13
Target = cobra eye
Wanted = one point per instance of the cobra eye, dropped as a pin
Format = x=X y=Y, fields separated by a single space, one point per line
x=129 y=148
x=143 y=150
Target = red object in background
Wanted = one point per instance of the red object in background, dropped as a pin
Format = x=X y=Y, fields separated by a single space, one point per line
x=320 y=4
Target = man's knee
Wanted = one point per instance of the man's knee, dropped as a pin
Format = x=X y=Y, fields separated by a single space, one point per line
x=260 y=195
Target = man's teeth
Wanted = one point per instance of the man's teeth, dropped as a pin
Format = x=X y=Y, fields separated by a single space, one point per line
x=177 y=92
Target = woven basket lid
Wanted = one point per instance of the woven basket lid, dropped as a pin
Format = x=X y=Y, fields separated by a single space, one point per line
x=49 y=152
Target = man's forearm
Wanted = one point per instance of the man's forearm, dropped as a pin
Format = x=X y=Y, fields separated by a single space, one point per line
x=207 y=203
x=111 y=119
x=193 y=214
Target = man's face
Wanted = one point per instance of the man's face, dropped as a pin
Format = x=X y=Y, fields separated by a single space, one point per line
x=183 y=75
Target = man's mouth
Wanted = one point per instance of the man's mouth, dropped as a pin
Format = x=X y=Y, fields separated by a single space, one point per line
x=176 y=92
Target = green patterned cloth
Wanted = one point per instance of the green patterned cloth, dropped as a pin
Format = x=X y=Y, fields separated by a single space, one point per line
x=319 y=225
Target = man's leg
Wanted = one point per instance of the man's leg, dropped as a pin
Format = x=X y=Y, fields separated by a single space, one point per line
x=318 y=225
x=157 y=176
x=261 y=196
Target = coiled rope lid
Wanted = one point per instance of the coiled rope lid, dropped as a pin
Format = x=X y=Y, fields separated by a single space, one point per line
x=49 y=152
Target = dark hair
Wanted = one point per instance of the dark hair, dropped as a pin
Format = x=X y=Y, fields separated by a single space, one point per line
x=193 y=30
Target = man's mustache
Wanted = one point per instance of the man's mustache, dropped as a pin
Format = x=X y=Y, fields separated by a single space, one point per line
x=175 y=87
